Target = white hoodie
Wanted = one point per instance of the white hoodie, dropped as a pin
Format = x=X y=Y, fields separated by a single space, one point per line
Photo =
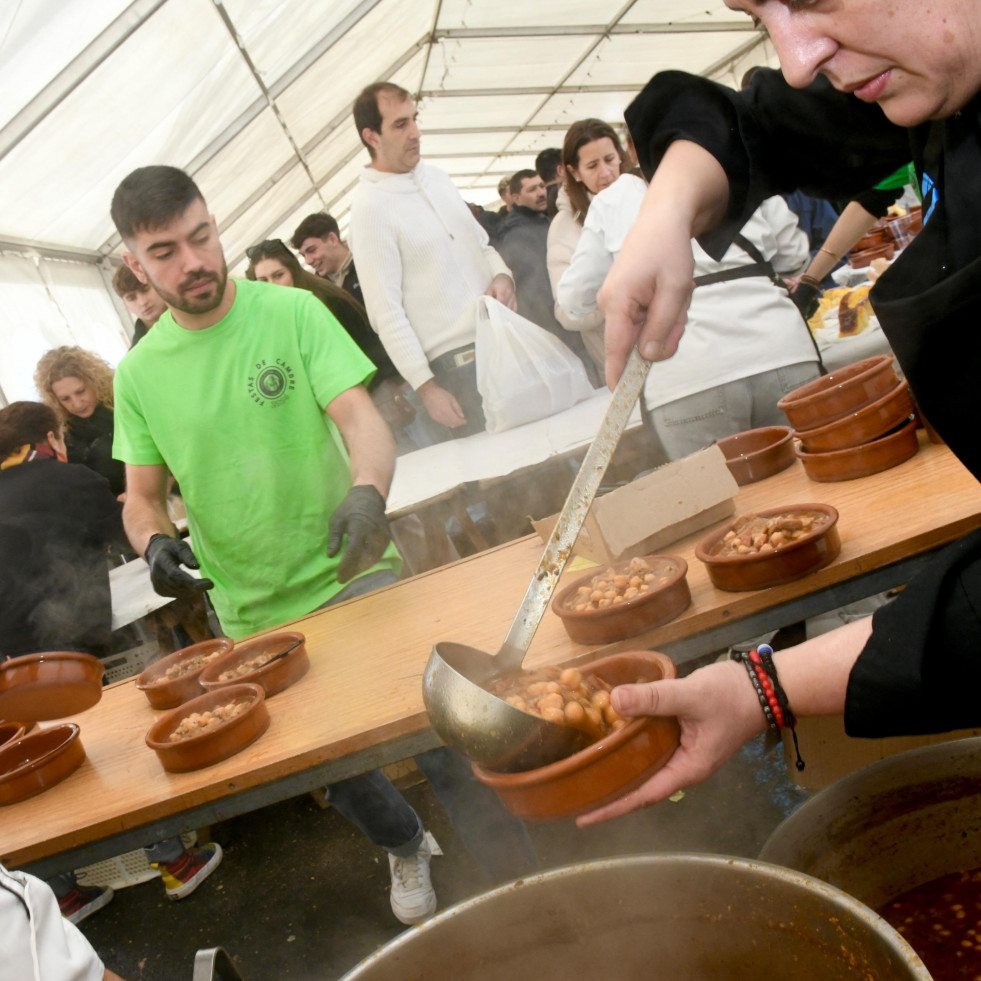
x=423 y=260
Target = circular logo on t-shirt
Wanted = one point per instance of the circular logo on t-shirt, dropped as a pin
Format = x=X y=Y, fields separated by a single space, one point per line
x=271 y=382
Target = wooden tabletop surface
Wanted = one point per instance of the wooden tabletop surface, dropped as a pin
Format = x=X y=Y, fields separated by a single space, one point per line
x=367 y=656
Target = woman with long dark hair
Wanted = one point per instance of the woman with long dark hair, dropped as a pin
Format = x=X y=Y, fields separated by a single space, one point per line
x=592 y=159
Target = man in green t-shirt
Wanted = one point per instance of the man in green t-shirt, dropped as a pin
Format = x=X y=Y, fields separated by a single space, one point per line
x=253 y=396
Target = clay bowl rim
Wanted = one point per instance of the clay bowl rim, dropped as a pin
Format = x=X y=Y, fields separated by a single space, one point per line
x=166 y=722
x=19 y=728
x=824 y=387
x=594 y=752
x=894 y=435
x=680 y=572
x=70 y=733
x=858 y=416
x=146 y=680
x=284 y=638
x=711 y=539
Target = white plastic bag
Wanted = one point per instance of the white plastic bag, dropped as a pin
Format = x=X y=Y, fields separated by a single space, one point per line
x=524 y=373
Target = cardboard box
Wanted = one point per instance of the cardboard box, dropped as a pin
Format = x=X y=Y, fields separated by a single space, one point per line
x=829 y=754
x=651 y=512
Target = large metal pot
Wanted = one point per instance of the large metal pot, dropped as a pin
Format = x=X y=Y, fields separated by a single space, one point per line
x=891 y=826
x=691 y=917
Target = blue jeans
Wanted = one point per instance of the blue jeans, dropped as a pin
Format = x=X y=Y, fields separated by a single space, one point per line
x=497 y=841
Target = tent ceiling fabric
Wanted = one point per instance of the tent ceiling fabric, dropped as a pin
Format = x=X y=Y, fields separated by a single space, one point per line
x=254 y=97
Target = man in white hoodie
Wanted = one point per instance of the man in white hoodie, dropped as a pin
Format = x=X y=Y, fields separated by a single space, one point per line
x=423 y=261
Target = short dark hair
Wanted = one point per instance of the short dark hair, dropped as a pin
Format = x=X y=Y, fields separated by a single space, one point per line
x=126 y=281
x=318 y=225
x=367 y=115
x=25 y=422
x=747 y=78
x=151 y=197
x=548 y=163
x=517 y=179
x=503 y=185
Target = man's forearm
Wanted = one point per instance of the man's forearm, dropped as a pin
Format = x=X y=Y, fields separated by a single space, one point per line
x=143 y=518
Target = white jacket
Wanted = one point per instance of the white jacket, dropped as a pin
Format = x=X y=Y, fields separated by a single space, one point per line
x=36 y=942
x=735 y=329
x=423 y=260
x=563 y=237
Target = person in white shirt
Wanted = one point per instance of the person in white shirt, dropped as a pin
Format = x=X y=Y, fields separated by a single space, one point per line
x=423 y=261
x=745 y=345
x=37 y=942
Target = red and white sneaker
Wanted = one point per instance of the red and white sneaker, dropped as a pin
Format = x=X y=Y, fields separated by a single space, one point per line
x=182 y=876
x=83 y=901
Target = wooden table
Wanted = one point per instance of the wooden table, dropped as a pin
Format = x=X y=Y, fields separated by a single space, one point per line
x=360 y=706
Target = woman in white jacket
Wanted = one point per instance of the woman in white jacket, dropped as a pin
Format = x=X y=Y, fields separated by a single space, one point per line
x=592 y=159
x=745 y=345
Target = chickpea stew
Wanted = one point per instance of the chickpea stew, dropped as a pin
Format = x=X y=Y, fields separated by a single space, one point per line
x=565 y=696
x=198 y=723
x=941 y=921
x=754 y=534
x=618 y=584
x=189 y=665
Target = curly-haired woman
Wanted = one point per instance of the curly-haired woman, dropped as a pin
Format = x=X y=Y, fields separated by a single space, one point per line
x=77 y=385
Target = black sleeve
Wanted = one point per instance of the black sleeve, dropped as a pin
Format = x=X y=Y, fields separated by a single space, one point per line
x=877 y=202
x=93 y=503
x=920 y=671
x=769 y=139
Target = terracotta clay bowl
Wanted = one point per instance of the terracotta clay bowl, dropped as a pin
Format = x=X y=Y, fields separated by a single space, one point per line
x=163 y=692
x=273 y=677
x=758 y=453
x=214 y=744
x=50 y=685
x=34 y=763
x=862 y=461
x=863 y=258
x=812 y=551
x=9 y=731
x=603 y=771
x=839 y=393
x=862 y=425
x=659 y=604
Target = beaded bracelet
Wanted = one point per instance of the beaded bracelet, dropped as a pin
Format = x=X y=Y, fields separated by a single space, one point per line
x=773 y=699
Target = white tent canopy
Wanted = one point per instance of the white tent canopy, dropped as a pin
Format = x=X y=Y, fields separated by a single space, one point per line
x=253 y=98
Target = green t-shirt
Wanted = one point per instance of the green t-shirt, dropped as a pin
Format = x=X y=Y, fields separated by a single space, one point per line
x=236 y=412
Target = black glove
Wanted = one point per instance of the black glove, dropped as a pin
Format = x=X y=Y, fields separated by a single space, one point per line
x=360 y=516
x=807 y=297
x=165 y=556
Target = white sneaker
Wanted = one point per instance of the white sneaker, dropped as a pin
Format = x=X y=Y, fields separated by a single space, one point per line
x=413 y=897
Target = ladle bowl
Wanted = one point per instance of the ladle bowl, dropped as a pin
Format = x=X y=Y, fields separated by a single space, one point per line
x=467 y=717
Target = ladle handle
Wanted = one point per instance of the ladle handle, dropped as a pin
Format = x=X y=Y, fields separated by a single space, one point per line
x=558 y=549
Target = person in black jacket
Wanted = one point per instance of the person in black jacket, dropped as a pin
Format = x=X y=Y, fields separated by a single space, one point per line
x=56 y=521
x=318 y=240
x=905 y=85
x=77 y=385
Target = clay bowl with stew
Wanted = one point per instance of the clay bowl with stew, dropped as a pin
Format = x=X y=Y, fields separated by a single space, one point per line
x=604 y=770
x=35 y=762
x=862 y=425
x=861 y=461
x=50 y=685
x=175 y=678
x=184 y=739
x=839 y=393
x=815 y=545
x=274 y=676
x=758 y=453
x=635 y=605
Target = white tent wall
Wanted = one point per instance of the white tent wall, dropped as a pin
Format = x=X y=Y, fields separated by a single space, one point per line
x=45 y=303
x=254 y=97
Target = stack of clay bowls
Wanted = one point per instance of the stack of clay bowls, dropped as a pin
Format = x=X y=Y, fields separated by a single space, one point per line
x=853 y=422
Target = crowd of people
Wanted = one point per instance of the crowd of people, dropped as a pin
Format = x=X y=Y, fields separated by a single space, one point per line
x=293 y=412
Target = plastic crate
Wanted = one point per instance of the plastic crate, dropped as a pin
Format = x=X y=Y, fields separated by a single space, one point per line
x=122 y=871
x=125 y=664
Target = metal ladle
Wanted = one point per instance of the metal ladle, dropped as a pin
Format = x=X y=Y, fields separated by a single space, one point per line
x=467 y=717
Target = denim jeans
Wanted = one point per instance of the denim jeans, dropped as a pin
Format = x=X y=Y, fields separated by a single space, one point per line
x=497 y=841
